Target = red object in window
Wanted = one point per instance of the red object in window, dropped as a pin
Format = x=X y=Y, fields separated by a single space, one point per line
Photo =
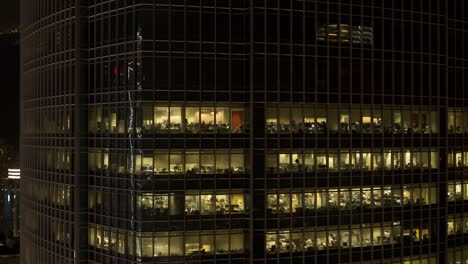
x=237 y=120
x=115 y=70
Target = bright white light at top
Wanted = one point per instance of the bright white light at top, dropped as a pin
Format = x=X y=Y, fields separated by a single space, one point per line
x=14 y=173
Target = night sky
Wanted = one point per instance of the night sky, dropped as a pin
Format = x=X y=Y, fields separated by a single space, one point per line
x=9 y=14
x=9 y=72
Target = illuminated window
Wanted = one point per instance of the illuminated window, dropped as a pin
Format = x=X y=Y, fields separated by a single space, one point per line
x=271 y=117
x=196 y=244
x=161 y=118
x=192 y=119
x=207 y=120
x=345 y=33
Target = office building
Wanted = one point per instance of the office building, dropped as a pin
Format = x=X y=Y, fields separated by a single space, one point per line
x=10 y=217
x=300 y=131
x=9 y=199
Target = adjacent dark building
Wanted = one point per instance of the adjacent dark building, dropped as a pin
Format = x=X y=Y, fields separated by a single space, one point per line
x=10 y=218
x=10 y=74
x=9 y=199
x=261 y=131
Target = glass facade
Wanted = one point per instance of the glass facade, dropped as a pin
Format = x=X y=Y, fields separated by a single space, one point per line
x=260 y=131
